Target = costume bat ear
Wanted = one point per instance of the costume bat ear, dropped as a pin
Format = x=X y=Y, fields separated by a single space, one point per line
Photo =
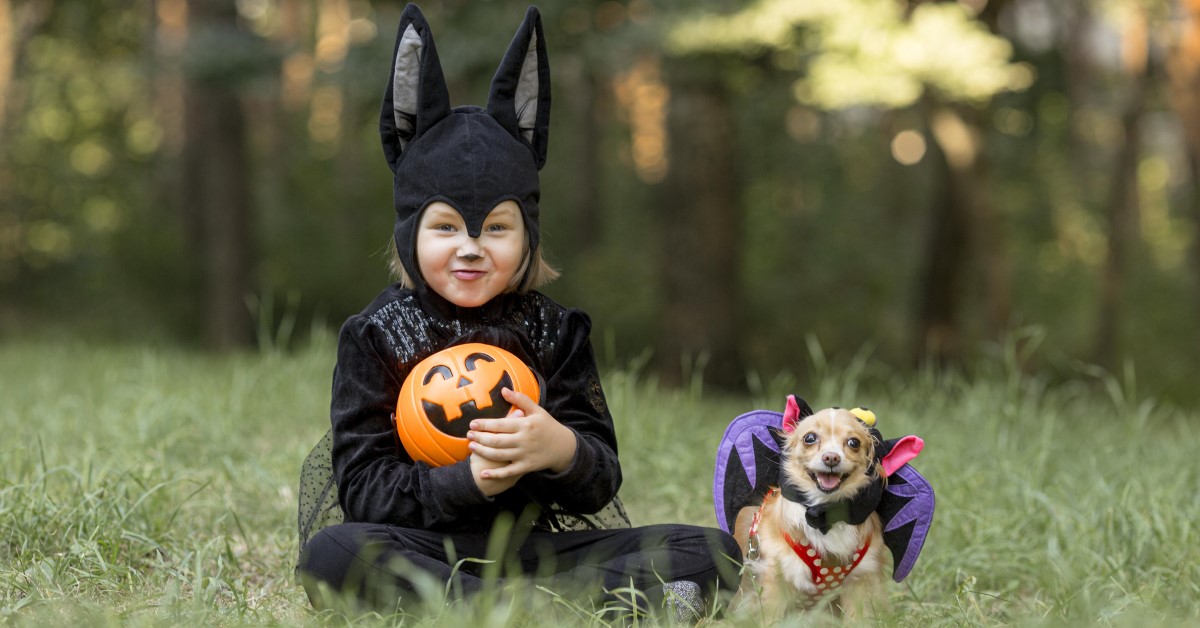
x=899 y=452
x=416 y=97
x=520 y=94
x=795 y=411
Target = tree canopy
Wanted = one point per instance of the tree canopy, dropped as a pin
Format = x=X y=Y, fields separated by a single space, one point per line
x=729 y=184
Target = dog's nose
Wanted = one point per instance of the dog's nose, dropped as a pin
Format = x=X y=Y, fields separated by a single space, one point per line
x=831 y=459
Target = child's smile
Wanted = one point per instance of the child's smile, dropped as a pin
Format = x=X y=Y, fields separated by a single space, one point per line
x=468 y=271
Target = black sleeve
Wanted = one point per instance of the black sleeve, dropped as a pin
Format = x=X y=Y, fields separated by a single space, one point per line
x=575 y=399
x=377 y=481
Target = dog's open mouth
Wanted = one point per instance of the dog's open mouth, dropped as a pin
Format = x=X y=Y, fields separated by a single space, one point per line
x=827 y=482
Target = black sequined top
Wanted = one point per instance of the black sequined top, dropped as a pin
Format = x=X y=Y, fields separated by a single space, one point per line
x=377 y=480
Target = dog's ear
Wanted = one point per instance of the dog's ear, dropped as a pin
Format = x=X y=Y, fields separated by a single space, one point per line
x=794 y=412
x=520 y=94
x=416 y=97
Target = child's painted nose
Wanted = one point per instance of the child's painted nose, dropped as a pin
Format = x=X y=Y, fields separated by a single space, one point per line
x=469 y=249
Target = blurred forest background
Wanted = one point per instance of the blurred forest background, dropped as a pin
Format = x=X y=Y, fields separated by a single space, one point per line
x=729 y=183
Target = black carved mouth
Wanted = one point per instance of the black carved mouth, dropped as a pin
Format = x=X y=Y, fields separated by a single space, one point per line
x=458 y=428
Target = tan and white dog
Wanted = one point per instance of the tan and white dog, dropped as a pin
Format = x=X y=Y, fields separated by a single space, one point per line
x=817 y=536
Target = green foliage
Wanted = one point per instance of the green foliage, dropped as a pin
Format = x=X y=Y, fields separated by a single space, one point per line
x=156 y=487
x=863 y=52
x=88 y=133
x=94 y=243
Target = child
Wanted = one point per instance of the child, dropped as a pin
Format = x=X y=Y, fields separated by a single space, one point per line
x=468 y=256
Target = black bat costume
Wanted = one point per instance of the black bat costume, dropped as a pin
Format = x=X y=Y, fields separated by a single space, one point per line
x=373 y=522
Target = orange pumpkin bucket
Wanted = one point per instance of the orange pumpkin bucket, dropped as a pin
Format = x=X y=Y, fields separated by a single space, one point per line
x=445 y=391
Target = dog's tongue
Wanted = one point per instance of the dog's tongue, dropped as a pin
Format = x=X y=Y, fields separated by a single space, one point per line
x=829 y=481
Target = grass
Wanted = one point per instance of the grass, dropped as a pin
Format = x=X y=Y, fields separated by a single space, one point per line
x=151 y=486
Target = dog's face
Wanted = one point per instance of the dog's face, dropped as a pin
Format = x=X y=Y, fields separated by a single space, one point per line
x=828 y=455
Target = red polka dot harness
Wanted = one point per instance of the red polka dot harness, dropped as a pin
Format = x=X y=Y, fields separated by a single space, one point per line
x=823 y=577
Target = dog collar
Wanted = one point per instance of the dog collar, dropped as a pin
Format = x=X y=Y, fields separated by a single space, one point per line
x=788 y=491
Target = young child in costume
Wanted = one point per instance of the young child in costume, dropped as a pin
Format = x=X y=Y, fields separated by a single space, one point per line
x=467 y=242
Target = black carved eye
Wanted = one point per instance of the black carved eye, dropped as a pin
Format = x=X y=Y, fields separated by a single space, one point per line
x=854 y=444
x=810 y=438
x=444 y=371
x=471 y=359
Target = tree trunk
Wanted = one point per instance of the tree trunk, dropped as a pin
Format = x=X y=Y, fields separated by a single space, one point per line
x=586 y=89
x=993 y=254
x=965 y=230
x=938 y=336
x=7 y=54
x=1077 y=75
x=17 y=25
x=1194 y=207
x=217 y=188
x=1122 y=227
x=1122 y=220
x=1183 y=68
x=937 y=330
x=699 y=232
x=991 y=233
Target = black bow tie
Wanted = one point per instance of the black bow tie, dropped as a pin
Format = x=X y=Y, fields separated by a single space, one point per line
x=853 y=511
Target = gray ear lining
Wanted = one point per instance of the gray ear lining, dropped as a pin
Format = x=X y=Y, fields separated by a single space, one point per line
x=526 y=98
x=406 y=83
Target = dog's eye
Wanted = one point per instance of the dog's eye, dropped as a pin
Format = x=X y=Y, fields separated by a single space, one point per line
x=853 y=443
x=810 y=438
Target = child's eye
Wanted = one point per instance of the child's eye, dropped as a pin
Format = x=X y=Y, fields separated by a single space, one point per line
x=497 y=227
x=444 y=227
x=810 y=438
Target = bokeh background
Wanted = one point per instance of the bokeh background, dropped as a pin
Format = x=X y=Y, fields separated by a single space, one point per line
x=733 y=187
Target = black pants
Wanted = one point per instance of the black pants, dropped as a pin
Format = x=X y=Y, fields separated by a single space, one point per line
x=378 y=564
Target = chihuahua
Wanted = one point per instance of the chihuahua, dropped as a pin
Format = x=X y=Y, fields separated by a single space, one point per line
x=816 y=536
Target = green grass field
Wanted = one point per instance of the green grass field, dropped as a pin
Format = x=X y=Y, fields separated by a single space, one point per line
x=158 y=487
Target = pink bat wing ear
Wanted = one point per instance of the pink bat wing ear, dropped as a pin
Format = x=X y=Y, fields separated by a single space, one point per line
x=791 y=415
x=903 y=451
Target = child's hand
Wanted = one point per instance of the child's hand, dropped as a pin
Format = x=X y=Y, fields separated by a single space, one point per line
x=528 y=440
x=490 y=486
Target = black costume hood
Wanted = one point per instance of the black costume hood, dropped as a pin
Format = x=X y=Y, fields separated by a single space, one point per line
x=469 y=157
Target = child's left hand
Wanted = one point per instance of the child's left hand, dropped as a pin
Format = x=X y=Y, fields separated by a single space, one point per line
x=528 y=439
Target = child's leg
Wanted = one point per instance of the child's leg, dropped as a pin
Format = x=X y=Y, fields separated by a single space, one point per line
x=377 y=564
x=645 y=558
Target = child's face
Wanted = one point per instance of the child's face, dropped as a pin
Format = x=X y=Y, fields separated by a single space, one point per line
x=466 y=271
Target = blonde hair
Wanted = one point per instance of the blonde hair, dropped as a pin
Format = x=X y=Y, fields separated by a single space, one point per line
x=534 y=272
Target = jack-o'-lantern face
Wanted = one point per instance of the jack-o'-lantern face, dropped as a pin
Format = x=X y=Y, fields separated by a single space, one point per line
x=450 y=392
